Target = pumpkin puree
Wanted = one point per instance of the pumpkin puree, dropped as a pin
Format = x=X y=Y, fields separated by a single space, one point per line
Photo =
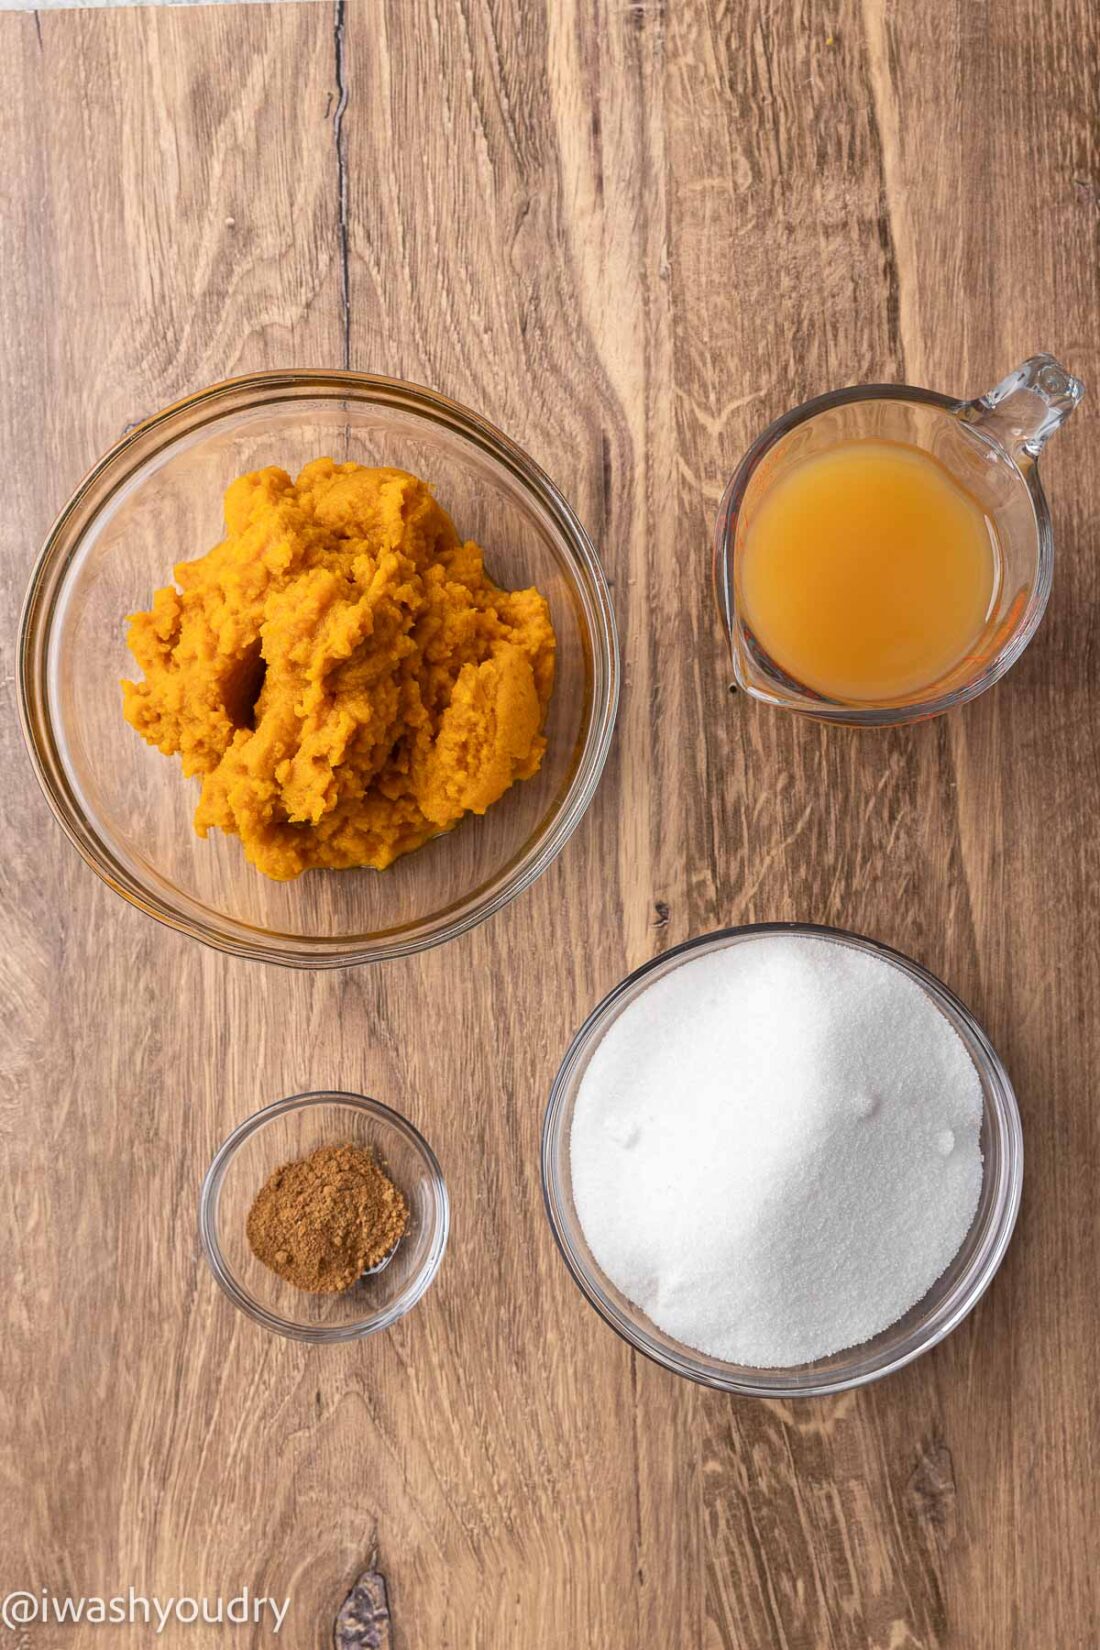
x=341 y=671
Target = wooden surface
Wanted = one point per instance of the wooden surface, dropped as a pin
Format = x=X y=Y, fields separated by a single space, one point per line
x=631 y=233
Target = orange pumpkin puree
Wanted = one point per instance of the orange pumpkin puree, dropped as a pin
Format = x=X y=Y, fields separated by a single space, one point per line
x=341 y=671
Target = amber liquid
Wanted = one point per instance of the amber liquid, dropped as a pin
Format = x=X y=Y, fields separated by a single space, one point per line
x=868 y=573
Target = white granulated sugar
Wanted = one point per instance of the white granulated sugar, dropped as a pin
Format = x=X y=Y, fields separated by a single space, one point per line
x=775 y=1149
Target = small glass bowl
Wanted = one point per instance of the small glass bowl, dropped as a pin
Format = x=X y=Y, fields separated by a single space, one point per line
x=949 y=1300
x=290 y=1129
x=156 y=499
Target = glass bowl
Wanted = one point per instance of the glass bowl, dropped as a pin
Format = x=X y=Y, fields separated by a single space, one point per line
x=290 y=1129
x=945 y=1305
x=156 y=499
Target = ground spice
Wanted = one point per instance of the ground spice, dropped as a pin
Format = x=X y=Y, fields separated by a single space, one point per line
x=324 y=1220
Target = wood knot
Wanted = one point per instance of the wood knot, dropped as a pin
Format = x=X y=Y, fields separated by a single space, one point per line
x=364 y=1619
x=930 y=1494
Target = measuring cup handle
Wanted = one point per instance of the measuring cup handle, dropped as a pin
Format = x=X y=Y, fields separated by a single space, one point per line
x=1025 y=409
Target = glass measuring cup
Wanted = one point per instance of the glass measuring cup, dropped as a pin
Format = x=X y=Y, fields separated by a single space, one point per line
x=990 y=446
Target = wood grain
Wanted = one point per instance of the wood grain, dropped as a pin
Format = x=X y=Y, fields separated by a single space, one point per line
x=631 y=233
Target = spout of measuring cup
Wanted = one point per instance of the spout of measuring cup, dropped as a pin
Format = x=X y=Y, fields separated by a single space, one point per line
x=1023 y=411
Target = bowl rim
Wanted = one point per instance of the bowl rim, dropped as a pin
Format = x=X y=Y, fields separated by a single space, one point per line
x=801 y=1380
x=191 y=414
x=320 y=1334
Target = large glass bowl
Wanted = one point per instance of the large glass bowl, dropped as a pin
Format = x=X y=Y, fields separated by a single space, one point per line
x=945 y=1305
x=156 y=499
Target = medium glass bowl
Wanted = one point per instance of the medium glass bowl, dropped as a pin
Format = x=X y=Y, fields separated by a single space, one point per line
x=945 y=1305
x=290 y=1129
x=156 y=499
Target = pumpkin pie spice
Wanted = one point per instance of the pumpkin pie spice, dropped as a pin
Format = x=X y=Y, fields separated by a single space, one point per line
x=325 y=1219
